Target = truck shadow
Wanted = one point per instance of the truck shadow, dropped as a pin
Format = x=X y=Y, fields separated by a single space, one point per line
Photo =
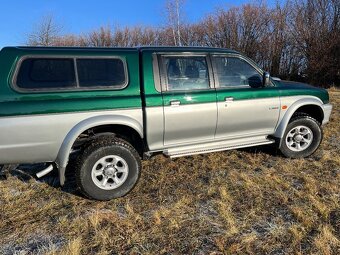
x=27 y=172
x=266 y=149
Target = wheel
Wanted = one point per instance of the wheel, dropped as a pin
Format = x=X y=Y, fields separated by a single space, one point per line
x=302 y=137
x=109 y=168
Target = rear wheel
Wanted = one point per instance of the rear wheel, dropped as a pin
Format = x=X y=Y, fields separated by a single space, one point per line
x=302 y=137
x=108 y=168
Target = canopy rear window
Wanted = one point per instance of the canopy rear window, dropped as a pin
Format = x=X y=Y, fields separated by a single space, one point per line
x=100 y=72
x=48 y=73
x=35 y=73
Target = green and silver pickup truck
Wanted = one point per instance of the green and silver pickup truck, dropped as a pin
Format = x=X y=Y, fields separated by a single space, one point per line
x=113 y=106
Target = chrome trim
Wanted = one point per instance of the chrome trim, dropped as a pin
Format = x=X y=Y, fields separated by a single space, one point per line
x=213 y=146
x=229 y=99
x=175 y=103
x=77 y=88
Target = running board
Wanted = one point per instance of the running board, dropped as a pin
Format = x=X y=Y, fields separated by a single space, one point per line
x=217 y=146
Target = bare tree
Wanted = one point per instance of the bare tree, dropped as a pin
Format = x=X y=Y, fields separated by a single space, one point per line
x=297 y=40
x=174 y=10
x=45 y=32
x=315 y=27
x=101 y=37
x=278 y=38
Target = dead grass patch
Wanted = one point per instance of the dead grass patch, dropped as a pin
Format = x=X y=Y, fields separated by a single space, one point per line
x=250 y=201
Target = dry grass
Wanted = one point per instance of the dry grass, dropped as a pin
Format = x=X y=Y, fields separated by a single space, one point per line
x=250 y=201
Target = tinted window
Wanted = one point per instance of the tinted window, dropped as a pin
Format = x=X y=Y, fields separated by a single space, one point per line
x=233 y=72
x=101 y=72
x=45 y=73
x=186 y=73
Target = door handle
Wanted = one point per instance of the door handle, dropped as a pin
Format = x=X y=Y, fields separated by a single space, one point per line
x=228 y=99
x=175 y=103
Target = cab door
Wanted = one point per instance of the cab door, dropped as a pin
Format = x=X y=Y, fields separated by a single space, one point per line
x=189 y=98
x=245 y=108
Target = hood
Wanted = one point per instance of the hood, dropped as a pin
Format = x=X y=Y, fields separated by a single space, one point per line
x=297 y=85
x=290 y=88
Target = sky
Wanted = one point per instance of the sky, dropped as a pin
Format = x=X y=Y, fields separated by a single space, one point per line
x=19 y=17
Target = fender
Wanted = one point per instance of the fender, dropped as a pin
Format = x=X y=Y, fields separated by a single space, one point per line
x=65 y=149
x=280 y=130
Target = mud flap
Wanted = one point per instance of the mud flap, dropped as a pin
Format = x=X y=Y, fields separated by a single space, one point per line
x=61 y=171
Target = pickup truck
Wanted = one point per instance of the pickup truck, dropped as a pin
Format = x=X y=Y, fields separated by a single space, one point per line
x=111 y=107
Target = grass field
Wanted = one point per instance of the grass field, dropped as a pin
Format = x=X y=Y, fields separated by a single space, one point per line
x=251 y=201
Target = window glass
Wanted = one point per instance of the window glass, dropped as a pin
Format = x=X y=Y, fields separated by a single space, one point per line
x=186 y=73
x=45 y=73
x=100 y=72
x=235 y=72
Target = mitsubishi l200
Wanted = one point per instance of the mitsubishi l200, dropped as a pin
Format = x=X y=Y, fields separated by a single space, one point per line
x=113 y=106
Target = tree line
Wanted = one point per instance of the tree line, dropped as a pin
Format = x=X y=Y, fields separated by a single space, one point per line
x=296 y=40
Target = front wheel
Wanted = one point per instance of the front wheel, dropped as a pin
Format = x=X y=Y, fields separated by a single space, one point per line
x=108 y=168
x=302 y=137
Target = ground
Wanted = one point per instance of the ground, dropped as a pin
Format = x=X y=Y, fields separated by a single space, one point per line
x=251 y=201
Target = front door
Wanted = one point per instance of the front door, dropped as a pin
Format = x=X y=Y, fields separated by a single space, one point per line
x=245 y=108
x=189 y=99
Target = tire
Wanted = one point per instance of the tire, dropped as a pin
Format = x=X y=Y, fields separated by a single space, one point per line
x=108 y=168
x=302 y=137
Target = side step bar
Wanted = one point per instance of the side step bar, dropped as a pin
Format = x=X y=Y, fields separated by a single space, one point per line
x=216 y=146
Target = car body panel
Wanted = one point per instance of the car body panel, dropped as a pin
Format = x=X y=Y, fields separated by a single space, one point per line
x=292 y=103
x=250 y=112
x=188 y=123
x=39 y=138
x=290 y=88
x=14 y=102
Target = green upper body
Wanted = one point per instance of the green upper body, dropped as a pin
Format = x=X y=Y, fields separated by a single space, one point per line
x=161 y=99
x=141 y=83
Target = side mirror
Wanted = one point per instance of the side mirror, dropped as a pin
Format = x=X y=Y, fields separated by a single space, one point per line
x=266 y=79
x=255 y=81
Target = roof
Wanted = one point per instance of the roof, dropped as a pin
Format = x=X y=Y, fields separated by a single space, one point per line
x=186 y=48
x=141 y=48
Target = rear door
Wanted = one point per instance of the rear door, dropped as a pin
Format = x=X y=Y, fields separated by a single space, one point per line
x=189 y=98
x=245 y=109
